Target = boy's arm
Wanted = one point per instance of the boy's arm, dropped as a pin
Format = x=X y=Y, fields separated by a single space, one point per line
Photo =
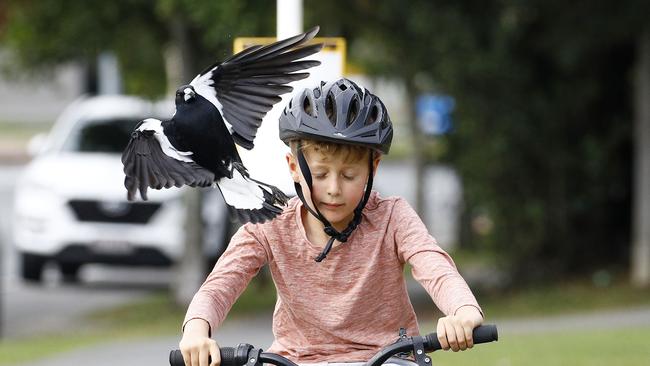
x=232 y=273
x=235 y=268
x=436 y=271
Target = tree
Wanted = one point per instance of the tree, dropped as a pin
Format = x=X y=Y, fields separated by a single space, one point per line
x=641 y=224
x=43 y=34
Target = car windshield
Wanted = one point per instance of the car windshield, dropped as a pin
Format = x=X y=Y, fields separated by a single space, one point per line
x=106 y=136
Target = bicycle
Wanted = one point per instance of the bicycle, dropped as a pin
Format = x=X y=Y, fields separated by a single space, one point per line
x=418 y=346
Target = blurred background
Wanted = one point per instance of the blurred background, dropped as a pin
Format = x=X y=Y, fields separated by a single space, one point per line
x=522 y=137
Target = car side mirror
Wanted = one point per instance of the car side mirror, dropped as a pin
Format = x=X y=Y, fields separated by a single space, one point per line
x=36 y=144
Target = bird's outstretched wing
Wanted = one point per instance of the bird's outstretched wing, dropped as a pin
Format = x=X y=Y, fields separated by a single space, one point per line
x=247 y=85
x=146 y=165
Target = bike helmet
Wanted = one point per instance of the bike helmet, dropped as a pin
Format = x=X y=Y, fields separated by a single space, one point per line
x=340 y=112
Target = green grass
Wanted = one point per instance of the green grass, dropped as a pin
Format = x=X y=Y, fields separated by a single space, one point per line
x=621 y=347
x=565 y=298
x=21 y=131
x=20 y=351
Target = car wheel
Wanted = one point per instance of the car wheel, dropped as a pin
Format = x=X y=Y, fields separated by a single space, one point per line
x=32 y=267
x=70 y=271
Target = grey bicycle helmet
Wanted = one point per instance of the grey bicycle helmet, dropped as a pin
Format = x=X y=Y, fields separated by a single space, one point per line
x=338 y=111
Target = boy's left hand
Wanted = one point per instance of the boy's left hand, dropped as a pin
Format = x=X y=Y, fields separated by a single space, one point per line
x=455 y=331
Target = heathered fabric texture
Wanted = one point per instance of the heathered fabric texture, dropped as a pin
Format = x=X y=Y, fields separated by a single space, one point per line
x=350 y=305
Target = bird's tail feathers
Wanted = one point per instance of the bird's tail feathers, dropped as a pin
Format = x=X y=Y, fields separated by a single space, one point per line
x=251 y=200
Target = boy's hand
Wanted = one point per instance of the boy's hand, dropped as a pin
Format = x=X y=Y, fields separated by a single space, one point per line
x=196 y=345
x=455 y=331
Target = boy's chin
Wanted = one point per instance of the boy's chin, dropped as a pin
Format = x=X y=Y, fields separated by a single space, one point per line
x=339 y=222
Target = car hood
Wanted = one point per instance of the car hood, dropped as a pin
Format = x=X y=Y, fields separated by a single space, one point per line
x=95 y=176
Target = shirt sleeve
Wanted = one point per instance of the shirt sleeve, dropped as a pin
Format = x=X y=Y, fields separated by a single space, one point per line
x=431 y=266
x=235 y=268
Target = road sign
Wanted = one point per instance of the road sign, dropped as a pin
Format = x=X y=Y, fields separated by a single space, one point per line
x=434 y=113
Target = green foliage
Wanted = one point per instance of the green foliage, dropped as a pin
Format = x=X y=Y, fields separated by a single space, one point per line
x=43 y=34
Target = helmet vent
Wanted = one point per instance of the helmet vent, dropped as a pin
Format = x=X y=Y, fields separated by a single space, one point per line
x=307 y=107
x=353 y=111
x=374 y=115
x=343 y=86
x=330 y=108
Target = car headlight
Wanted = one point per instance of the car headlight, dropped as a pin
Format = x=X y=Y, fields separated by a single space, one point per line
x=35 y=205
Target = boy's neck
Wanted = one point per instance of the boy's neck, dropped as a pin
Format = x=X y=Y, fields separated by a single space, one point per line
x=314 y=229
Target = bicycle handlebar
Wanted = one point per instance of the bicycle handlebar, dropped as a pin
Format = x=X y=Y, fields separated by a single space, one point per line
x=246 y=354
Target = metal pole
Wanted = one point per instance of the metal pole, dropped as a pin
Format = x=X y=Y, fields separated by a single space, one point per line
x=289 y=18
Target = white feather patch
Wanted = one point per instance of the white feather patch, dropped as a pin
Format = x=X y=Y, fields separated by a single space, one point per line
x=152 y=124
x=241 y=193
x=203 y=86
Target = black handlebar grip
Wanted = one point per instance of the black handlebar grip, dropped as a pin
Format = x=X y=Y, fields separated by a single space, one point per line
x=481 y=334
x=227 y=357
x=176 y=358
x=485 y=334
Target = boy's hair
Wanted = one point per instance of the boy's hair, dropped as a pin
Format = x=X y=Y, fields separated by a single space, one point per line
x=349 y=153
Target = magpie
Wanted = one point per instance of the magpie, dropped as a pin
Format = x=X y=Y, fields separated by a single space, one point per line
x=221 y=108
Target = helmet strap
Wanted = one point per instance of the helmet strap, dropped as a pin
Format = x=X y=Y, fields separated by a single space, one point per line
x=328 y=228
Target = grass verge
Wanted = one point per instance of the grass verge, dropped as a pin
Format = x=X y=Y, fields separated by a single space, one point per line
x=154 y=315
x=622 y=347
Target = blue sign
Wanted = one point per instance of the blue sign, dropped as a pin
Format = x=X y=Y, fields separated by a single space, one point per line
x=433 y=113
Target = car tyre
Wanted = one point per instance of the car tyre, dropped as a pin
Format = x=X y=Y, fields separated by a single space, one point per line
x=70 y=271
x=32 y=267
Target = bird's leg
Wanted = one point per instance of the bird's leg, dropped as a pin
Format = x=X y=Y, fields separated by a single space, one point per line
x=240 y=168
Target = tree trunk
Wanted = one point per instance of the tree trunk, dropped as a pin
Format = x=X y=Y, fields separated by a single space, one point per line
x=417 y=144
x=190 y=271
x=640 y=261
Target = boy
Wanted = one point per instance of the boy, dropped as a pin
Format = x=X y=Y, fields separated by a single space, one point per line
x=338 y=250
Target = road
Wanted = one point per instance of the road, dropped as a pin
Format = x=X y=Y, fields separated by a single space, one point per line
x=29 y=310
x=155 y=350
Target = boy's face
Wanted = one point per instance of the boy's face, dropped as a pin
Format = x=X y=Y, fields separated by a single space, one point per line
x=337 y=185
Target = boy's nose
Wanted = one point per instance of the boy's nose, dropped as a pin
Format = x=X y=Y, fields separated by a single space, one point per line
x=333 y=187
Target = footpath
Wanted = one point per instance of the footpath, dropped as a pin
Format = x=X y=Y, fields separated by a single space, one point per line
x=257 y=331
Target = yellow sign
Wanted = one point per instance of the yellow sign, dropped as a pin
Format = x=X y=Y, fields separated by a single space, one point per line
x=332 y=56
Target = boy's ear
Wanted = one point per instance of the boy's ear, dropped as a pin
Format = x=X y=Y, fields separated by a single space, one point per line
x=293 y=167
x=375 y=164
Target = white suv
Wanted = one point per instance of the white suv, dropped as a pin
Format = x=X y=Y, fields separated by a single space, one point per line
x=70 y=202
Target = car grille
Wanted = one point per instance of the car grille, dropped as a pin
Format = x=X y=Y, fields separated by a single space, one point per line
x=114 y=212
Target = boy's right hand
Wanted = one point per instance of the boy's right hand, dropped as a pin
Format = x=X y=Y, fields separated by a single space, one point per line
x=196 y=345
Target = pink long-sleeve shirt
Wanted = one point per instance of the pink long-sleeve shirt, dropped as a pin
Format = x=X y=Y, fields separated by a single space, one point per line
x=350 y=305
